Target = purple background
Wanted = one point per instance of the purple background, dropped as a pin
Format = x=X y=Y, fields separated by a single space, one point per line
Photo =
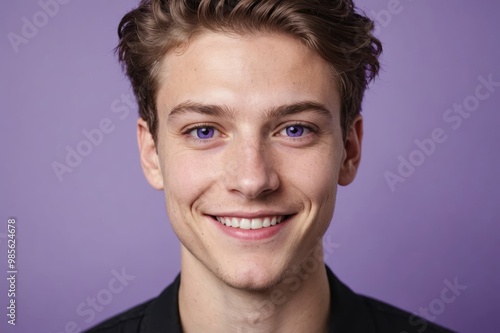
x=399 y=246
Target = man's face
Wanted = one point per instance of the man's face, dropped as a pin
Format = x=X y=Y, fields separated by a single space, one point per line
x=249 y=154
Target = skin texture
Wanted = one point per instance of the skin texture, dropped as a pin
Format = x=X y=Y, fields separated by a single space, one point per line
x=232 y=86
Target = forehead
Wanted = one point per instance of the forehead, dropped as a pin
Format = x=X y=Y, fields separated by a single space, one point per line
x=258 y=69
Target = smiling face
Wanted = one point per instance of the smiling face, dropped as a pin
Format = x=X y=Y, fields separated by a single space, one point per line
x=249 y=154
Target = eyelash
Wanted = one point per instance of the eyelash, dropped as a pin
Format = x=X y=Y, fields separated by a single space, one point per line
x=298 y=123
x=190 y=129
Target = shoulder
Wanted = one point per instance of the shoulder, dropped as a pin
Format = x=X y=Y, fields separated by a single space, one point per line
x=125 y=322
x=159 y=314
x=388 y=318
x=352 y=312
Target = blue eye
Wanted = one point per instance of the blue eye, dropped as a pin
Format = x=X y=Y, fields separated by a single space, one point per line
x=296 y=131
x=204 y=132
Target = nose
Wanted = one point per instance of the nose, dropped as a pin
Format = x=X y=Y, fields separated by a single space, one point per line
x=250 y=170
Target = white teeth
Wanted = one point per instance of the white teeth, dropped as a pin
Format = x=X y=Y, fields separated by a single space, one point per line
x=273 y=221
x=245 y=224
x=255 y=223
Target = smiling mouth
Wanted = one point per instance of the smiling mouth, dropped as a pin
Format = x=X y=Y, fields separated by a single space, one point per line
x=251 y=223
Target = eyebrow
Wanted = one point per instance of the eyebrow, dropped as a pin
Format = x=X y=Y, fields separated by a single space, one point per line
x=291 y=109
x=272 y=113
x=210 y=110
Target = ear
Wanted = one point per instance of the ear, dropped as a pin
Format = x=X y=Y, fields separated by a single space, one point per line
x=352 y=149
x=148 y=155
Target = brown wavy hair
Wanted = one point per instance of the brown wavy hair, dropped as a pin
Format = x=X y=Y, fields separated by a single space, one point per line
x=334 y=29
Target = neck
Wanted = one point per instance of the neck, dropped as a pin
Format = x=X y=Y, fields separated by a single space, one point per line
x=206 y=304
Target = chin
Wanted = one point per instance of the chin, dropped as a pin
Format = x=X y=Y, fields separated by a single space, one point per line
x=256 y=278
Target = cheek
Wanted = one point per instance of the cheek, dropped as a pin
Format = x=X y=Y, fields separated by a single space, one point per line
x=315 y=174
x=185 y=181
x=186 y=176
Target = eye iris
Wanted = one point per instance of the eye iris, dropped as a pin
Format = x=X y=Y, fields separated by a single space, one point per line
x=205 y=132
x=295 y=131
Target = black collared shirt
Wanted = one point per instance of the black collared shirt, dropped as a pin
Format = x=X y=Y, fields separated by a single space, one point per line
x=350 y=313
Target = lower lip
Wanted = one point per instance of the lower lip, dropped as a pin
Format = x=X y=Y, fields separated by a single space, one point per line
x=252 y=234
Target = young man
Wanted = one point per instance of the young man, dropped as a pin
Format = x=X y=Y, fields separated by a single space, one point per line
x=250 y=117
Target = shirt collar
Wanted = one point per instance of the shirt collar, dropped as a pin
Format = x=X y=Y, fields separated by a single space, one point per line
x=163 y=313
x=348 y=312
